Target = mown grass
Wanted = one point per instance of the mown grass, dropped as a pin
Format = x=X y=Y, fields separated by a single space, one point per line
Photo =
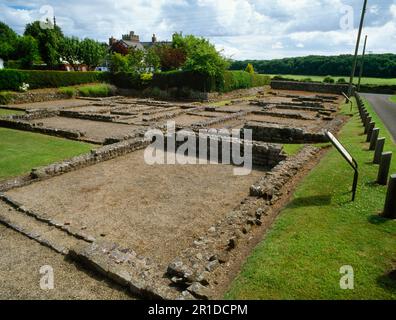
x=321 y=230
x=393 y=99
x=20 y=151
x=7 y=112
x=365 y=80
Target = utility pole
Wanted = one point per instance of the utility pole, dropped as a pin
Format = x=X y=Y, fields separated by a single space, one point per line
x=362 y=63
x=357 y=49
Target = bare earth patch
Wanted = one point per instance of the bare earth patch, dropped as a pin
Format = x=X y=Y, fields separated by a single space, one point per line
x=155 y=210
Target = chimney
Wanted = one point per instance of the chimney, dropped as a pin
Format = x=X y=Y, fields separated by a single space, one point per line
x=154 y=39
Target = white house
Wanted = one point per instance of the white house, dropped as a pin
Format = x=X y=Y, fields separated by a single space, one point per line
x=1 y=63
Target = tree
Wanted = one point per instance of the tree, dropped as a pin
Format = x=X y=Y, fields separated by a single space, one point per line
x=152 y=59
x=71 y=50
x=249 y=68
x=8 y=39
x=202 y=56
x=49 y=40
x=136 y=60
x=92 y=53
x=27 y=51
x=171 y=58
x=119 y=63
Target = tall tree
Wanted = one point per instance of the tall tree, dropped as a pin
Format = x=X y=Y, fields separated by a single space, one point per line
x=92 y=53
x=49 y=41
x=70 y=50
x=8 y=39
x=27 y=51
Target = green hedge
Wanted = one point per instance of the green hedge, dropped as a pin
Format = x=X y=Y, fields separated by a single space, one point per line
x=234 y=80
x=184 y=79
x=126 y=80
x=11 y=79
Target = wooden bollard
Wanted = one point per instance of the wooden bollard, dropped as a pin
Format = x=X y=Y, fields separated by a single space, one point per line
x=366 y=124
x=390 y=202
x=383 y=170
x=374 y=138
x=370 y=131
x=379 y=148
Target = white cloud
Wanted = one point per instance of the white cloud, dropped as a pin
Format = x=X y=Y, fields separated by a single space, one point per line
x=242 y=28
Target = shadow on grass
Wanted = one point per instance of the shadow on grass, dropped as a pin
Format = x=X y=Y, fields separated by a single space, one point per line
x=388 y=281
x=313 y=201
x=377 y=219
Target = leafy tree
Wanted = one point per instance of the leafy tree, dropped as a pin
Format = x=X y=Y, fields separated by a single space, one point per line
x=49 y=41
x=249 y=68
x=8 y=39
x=152 y=59
x=92 y=53
x=119 y=63
x=27 y=51
x=202 y=56
x=71 y=50
x=171 y=58
x=136 y=61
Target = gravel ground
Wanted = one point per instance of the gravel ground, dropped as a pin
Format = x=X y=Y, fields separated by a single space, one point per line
x=21 y=260
x=155 y=210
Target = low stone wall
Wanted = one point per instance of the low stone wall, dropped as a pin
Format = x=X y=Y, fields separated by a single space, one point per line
x=88 y=116
x=210 y=122
x=263 y=154
x=193 y=270
x=99 y=155
x=31 y=97
x=35 y=114
x=310 y=87
x=26 y=126
x=268 y=132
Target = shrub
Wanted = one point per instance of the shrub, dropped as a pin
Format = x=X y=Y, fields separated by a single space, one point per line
x=328 y=79
x=99 y=90
x=128 y=80
x=11 y=79
x=307 y=80
x=6 y=97
x=341 y=80
x=249 y=68
x=69 y=91
x=234 y=80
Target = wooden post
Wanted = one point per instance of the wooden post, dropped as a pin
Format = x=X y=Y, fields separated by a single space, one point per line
x=367 y=123
x=374 y=138
x=390 y=202
x=370 y=131
x=383 y=170
x=379 y=148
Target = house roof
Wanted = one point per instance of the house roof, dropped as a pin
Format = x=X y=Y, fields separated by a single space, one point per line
x=133 y=44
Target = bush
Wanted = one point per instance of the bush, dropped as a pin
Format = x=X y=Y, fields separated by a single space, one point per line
x=128 y=80
x=307 y=80
x=99 y=90
x=11 y=79
x=234 y=80
x=6 y=97
x=179 y=79
x=69 y=91
x=328 y=79
x=341 y=80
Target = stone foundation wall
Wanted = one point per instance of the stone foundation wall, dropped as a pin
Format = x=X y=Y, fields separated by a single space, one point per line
x=310 y=87
x=87 y=116
x=282 y=134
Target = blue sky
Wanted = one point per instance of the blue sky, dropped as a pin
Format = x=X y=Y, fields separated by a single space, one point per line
x=243 y=29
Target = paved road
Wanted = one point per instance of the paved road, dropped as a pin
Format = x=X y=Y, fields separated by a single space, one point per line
x=385 y=109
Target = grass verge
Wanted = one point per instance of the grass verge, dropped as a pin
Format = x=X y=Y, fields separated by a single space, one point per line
x=321 y=230
x=8 y=112
x=393 y=99
x=20 y=151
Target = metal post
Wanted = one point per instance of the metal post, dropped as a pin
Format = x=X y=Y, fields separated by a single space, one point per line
x=379 y=148
x=383 y=170
x=390 y=202
x=362 y=63
x=357 y=48
x=374 y=138
x=370 y=131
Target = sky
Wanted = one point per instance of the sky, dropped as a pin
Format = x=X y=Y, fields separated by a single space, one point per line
x=242 y=29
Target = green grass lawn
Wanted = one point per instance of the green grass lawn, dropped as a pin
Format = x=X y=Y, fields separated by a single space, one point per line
x=321 y=230
x=393 y=99
x=7 y=112
x=20 y=151
x=376 y=81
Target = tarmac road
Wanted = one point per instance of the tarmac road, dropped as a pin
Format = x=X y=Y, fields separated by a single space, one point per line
x=385 y=109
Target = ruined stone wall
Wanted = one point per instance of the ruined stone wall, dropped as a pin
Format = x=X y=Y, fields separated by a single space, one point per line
x=282 y=134
x=310 y=87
